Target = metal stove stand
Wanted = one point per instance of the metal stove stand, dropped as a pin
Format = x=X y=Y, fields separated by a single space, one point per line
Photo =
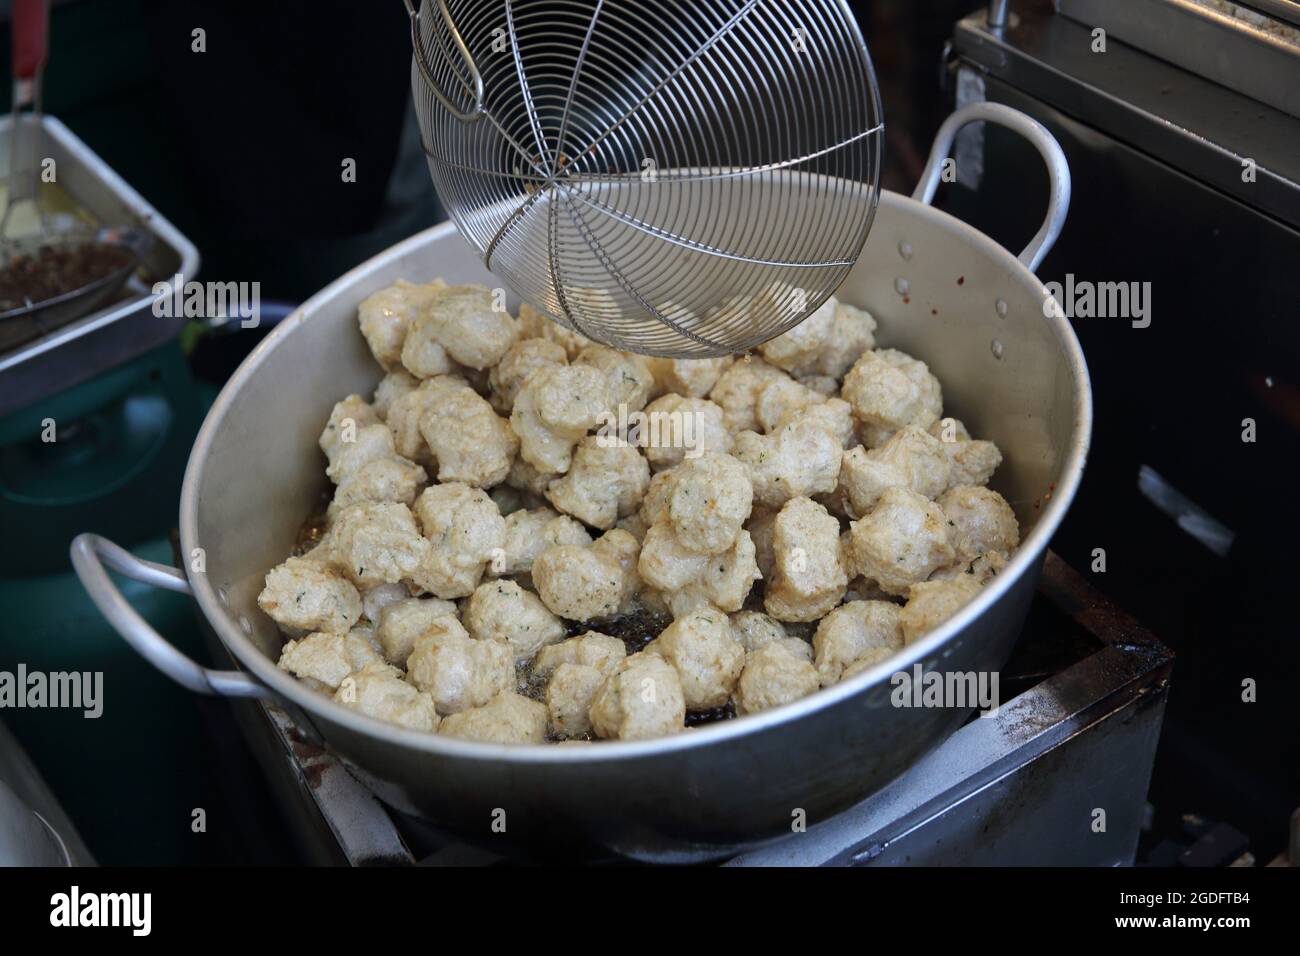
x=1022 y=787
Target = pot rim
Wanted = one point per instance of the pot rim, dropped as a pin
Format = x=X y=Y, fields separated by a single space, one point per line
x=1022 y=562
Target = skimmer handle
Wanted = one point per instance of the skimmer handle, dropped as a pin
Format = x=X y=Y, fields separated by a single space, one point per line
x=31 y=32
x=422 y=63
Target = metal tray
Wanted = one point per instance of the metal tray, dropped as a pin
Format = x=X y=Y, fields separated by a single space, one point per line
x=59 y=356
x=1256 y=53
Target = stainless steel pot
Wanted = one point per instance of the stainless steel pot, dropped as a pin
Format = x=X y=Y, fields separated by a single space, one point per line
x=1011 y=368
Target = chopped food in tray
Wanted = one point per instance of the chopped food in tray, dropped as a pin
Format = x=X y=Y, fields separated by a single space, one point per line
x=50 y=271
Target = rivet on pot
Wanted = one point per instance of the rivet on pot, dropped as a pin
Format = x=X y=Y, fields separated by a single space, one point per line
x=901 y=286
x=1001 y=306
x=246 y=624
x=905 y=250
x=996 y=348
x=221 y=596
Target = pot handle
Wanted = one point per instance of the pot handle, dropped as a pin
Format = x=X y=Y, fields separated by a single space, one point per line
x=1058 y=170
x=90 y=553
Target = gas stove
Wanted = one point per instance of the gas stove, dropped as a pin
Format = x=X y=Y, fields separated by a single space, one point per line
x=1059 y=775
x=1191 y=186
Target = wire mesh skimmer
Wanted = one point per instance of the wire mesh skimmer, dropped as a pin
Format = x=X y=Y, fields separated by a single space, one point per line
x=677 y=177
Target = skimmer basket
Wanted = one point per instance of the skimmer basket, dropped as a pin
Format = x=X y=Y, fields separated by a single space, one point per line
x=674 y=177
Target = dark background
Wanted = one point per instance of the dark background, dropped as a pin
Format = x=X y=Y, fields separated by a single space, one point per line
x=241 y=148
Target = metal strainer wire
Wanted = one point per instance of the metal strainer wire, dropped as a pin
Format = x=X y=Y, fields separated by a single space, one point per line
x=677 y=177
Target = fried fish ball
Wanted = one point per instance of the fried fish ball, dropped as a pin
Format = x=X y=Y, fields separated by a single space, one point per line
x=587 y=584
x=458 y=671
x=706 y=655
x=911 y=459
x=346 y=419
x=634 y=525
x=873 y=436
x=761 y=523
x=690 y=378
x=642 y=699
x=462 y=320
x=853 y=630
x=557 y=406
x=629 y=380
x=526 y=478
x=860 y=588
x=381 y=597
x=981 y=521
x=470 y=441
x=366 y=631
x=833 y=415
x=536 y=325
x=621 y=548
x=799 y=647
x=590 y=649
x=423 y=354
x=973 y=461
x=323 y=660
x=869 y=659
x=983 y=568
x=356 y=449
x=507 y=718
x=797 y=350
x=606 y=481
x=738 y=389
x=774 y=674
x=306 y=595
x=503 y=611
x=808 y=577
x=918 y=458
x=377 y=542
x=781 y=398
x=386 y=316
x=530 y=532
x=823 y=385
x=675 y=428
x=403 y=623
x=654 y=505
x=901 y=541
x=521 y=360
x=709 y=499
x=754 y=629
x=391 y=387
x=686 y=601
x=406 y=410
x=384 y=479
x=852 y=333
x=889 y=389
x=569 y=694
x=465 y=530
x=665 y=562
x=690 y=579
x=801 y=459
x=930 y=603
x=377 y=690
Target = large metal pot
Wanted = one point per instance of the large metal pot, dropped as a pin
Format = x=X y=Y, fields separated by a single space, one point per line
x=1011 y=369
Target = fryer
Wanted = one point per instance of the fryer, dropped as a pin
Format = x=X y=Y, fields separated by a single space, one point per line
x=940 y=289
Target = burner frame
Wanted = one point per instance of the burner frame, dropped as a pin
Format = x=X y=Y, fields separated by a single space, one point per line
x=1016 y=788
